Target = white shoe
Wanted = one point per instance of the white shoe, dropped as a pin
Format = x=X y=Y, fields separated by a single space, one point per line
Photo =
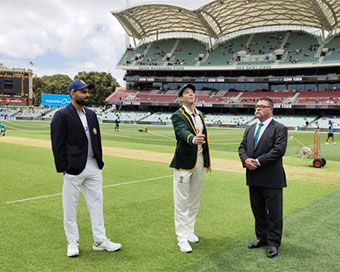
x=106 y=245
x=193 y=238
x=185 y=247
x=334 y=143
x=72 y=249
x=326 y=143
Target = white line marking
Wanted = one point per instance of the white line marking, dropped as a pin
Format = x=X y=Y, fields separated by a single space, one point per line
x=106 y=186
x=33 y=198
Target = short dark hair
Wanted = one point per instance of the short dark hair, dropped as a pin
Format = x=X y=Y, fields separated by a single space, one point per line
x=270 y=102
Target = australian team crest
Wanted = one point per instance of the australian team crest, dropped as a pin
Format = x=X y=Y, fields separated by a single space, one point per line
x=181 y=178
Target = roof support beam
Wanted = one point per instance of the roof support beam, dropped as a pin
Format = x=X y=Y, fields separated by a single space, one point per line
x=206 y=24
x=126 y=23
x=324 y=21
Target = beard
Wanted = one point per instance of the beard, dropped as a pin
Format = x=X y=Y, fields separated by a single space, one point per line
x=82 y=102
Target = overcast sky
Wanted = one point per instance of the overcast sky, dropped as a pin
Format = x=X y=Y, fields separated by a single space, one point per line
x=67 y=36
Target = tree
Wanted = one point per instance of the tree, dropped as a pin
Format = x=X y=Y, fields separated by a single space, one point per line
x=104 y=84
x=57 y=84
x=38 y=86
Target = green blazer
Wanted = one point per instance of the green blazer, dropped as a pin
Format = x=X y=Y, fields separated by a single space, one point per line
x=185 y=157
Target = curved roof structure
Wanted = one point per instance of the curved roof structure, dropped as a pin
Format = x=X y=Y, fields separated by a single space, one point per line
x=222 y=17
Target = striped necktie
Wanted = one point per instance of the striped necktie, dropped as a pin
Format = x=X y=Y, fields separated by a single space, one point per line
x=257 y=134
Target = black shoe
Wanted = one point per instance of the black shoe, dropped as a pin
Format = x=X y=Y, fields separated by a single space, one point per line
x=272 y=252
x=257 y=244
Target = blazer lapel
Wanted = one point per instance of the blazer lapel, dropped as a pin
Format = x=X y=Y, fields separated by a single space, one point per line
x=251 y=139
x=188 y=119
x=265 y=133
x=76 y=119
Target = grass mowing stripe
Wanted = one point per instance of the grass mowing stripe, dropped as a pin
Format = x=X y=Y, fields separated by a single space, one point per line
x=106 y=186
x=141 y=218
x=310 y=243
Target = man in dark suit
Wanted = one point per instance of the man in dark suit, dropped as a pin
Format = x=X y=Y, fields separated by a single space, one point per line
x=261 y=151
x=190 y=159
x=77 y=150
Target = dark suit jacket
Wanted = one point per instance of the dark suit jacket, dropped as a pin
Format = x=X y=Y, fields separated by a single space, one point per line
x=269 y=151
x=186 y=152
x=69 y=141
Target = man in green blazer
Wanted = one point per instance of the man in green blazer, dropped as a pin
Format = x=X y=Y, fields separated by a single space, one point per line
x=190 y=159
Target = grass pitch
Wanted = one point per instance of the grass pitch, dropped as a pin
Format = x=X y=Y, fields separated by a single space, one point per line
x=138 y=209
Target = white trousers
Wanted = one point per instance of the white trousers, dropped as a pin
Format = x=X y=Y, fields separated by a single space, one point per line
x=90 y=181
x=187 y=196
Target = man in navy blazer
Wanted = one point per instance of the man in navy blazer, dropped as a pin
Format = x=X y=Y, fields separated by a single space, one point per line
x=261 y=151
x=77 y=150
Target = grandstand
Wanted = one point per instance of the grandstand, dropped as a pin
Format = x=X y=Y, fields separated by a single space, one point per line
x=289 y=52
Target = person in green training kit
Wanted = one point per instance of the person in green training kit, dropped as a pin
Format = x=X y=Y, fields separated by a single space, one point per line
x=190 y=159
x=2 y=130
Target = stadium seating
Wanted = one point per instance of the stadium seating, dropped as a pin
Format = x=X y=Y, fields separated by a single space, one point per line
x=333 y=54
x=50 y=114
x=228 y=119
x=249 y=49
x=32 y=113
x=292 y=121
x=300 y=47
x=163 y=117
x=157 y=52
x=264 y=43
x=318 y=97
x=223 y=54
x=323 y=122
x=187 y=52
x=6 y=113
x=125 y=116
x=132 y=55
x=277 y=97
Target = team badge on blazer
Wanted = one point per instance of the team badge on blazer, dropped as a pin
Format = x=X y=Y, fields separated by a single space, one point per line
x=181 y=178
x=94 y=131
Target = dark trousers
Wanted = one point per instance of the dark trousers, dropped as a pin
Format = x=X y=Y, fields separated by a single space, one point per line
x=267 y=207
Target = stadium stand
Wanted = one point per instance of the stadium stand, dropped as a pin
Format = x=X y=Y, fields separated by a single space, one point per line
x=277 y=48
x=228 y=119
x=288 y=52
x=6 y=113
x=323 y=122
x=300 y=47
x=332 y=50
x=159 y=117
x=125 y=116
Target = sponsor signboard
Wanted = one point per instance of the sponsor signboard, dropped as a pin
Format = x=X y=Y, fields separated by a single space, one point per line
x=13 y=101
x=55 y=100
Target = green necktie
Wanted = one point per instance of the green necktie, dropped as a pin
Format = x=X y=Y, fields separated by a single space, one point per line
x=257 y=134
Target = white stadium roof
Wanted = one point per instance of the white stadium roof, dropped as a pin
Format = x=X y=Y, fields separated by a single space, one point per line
x=223 y=17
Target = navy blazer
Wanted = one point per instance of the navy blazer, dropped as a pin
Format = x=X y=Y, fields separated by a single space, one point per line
x=269 y=151
x=69 y=140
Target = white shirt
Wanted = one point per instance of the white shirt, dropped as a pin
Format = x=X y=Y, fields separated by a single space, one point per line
x=265 y=125
x=83 y=119
x=197 y=123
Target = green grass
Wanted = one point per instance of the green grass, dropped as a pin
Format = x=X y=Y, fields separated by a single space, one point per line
x=140 y=215
x=161 y=139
